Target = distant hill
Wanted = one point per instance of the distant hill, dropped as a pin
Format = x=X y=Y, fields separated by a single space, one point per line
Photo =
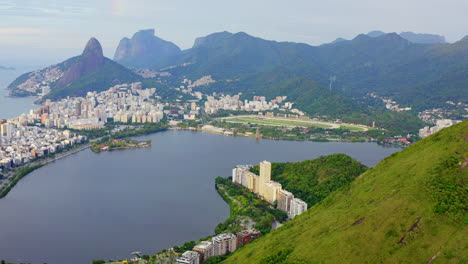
x=375 y=33
x=144 y=50
x=423 y=38
x=90 y=71
x=410 y=208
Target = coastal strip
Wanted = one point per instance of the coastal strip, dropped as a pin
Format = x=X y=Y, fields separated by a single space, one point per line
x=23 y=171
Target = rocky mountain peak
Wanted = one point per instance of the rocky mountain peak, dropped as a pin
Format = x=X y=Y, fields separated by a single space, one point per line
x=144 y=49
x=92 y=59
x=93 y=47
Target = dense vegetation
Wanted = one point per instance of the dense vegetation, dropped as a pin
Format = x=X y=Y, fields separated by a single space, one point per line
x=314 y=180
x=422 y=75
x=410 y=208
x=318 y=100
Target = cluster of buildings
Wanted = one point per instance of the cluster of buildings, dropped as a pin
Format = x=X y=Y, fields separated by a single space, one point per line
x=39 y=81
x=390 y=104
x=35 y=134
x=218 y=246
x=19 y=144
x=267 y=189
x=259 y=103
x=440 y=124
x=121 y=103
x=450 y=110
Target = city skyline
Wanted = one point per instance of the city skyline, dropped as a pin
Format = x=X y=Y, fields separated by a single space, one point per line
x=51 y=31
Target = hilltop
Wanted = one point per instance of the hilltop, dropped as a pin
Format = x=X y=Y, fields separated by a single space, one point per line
x=410 y=208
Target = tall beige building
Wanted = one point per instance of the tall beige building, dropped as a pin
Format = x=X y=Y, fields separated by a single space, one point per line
x=265 y=177
x=267 y=189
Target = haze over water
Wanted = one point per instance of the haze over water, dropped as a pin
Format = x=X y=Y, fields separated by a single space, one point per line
x=89 y=206
x=13 y=107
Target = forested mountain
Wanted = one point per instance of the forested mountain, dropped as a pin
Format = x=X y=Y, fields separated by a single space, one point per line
x=384 y=63
x=410 y=208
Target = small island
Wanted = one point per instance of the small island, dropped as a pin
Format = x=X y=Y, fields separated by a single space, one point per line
x=114 y=144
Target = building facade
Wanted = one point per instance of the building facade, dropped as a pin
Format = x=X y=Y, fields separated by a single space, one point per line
x=189 y=257
x=224 y=243
x=268 y=190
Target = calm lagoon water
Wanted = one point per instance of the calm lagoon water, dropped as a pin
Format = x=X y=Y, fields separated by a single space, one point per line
x=89 y=206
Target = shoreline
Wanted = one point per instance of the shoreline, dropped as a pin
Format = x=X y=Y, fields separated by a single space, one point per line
x=13 y=180
x=44 y=161
x=270 y=138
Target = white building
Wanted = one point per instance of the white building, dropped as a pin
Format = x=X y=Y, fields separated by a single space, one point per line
x=189 y=257
x=297 y=207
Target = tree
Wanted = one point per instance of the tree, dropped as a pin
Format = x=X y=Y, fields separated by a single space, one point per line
x=99 y=261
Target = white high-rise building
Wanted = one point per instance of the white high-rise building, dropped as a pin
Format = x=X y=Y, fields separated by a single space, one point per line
x=297 y=207
x=189 y=257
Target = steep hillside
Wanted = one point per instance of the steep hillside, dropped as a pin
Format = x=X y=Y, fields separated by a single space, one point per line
x=410 y=208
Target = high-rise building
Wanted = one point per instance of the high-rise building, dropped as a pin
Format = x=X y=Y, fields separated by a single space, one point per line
x=189 y=257
x=265 y=176
x=297 y=207
x=247 y=236
x=78 y=108
x=284 y=200
x=224 y=243
x=205 y=248
x=271 y=190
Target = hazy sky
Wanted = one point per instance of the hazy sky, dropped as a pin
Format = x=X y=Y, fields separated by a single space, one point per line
x=48 y=31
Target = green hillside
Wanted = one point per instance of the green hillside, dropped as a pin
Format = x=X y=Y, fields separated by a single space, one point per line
x=410 y=208
x=388 y=64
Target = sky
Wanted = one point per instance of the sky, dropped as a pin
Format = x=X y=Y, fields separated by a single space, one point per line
x=39 y=32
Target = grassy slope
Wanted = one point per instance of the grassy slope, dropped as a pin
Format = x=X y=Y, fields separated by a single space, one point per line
x=390 y=197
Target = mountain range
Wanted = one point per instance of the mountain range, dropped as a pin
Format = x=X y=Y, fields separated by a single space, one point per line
x=399 y=66
x=386 y=63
